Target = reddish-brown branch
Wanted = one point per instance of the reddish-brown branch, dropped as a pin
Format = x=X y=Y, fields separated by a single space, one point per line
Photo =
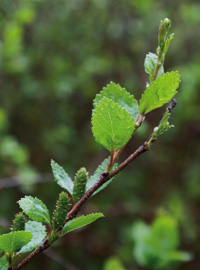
x=102 y=179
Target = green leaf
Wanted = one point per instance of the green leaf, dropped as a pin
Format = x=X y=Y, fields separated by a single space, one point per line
x=3 y=263
x=113 y=264
x=159 y=92
x=95 y=177
x=39 y=233
x=150 y=63
x=112 y=125
x=121 y=96
x=80 y=222
x=14 y=241
x=163 y=126
x=165 y=233
x=175 y=257
x=61 y=177
x=35 y=209
x=140 y=234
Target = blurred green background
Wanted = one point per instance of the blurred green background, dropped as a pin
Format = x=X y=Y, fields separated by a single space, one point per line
x=54 y=57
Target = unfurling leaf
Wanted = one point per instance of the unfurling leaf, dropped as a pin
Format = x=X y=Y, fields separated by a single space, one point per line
x=150 y=65
x=159 y=92
x=14 y=241
x=163 y=126
x=35 y=209
x=19 y=222
x=60 y=213
x=121 y=96
x=112 y=126
x=80 y=184
x=39 y=233
x=61 y=177
x=80 y=222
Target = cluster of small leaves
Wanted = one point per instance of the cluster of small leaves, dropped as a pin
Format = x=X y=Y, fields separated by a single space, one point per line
x=156 y=245
x=114 y=120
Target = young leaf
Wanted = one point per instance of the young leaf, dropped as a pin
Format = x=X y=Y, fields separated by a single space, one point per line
x=80 y=184
x=14 y=241
x=39 y=233
x=95 y=177
x=163 y=126
x=121 y=96
x=80 y=222
x=61 y=177
x=112 y=125
x=159 y=92
x=3 y=263
x=35 y=209
x=150 y=65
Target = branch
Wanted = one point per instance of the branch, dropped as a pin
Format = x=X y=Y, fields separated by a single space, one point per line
x=105 y=176
x=102 y=179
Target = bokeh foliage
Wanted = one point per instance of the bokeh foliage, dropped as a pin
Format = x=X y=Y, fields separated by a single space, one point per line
x=55 y=56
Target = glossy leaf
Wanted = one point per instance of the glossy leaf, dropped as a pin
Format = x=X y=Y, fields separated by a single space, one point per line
x=80 y=222
x=35 y=209
x=159 y=92
x=61 y=177
x=38 y=232
x=112 y=125
x=14 y=241
x=121 y=96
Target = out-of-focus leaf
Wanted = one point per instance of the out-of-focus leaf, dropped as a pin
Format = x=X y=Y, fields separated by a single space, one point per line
x=3 y=263
x=113 y=264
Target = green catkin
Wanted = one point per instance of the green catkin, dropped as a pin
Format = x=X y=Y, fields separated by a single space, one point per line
x=61 y=210
x=18 y=222
x=80 y=184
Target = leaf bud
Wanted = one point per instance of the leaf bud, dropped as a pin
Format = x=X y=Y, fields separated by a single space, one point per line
x=18 y=222
x=167 y=23
x=61 y=210
x=80 y=184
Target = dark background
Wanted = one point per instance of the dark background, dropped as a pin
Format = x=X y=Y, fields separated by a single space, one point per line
x=55 y=56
